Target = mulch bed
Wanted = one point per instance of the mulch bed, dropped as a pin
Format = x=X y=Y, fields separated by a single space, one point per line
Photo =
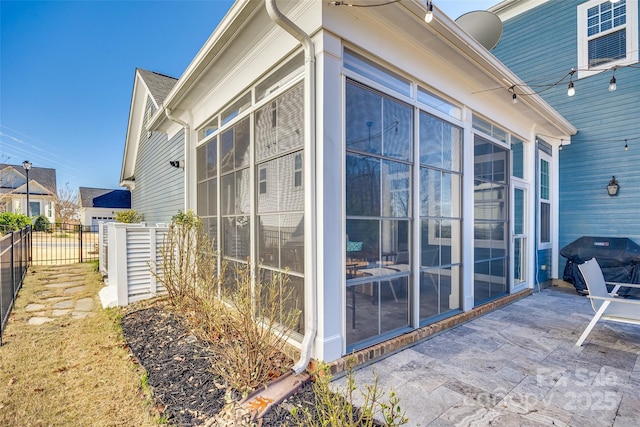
x=178 y=365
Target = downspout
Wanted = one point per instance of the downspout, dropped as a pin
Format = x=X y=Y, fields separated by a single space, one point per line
x=187 y=158
x=311 y=313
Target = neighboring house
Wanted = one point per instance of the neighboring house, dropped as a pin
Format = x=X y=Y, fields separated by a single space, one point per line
x=542 y=42
x=42 y=191
x=101 y=204
x=157 y=188
x=380 y=162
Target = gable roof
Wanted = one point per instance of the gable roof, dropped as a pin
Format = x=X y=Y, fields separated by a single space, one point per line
x=146 y=84
x=104 y=198
x=46 y=177
x=158 y=84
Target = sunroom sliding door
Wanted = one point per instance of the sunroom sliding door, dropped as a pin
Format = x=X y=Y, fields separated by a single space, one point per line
x=379 y=138
x=491 y=220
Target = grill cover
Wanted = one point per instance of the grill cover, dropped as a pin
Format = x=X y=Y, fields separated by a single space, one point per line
x=619 y=259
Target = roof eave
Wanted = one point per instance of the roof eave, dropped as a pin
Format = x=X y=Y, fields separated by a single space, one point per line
x=131 y=139
x=475 y=52
x=508 y=9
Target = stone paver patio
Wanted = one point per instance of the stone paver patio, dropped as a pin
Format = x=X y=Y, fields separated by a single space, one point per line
x=518 y=366
x=58 y=298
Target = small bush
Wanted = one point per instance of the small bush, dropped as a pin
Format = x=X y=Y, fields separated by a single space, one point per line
x=129 y=217
x=10 y=221
x=339 y=409
x=42 y=224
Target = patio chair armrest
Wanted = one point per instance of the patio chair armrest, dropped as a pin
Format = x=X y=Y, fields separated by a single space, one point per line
x=622 y=285
x=616 y=300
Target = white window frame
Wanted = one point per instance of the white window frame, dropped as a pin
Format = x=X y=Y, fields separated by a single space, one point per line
x=546 y=158
x=631 y=28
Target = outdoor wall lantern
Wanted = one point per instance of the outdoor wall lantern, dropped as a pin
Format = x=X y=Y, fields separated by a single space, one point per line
x=612 y=186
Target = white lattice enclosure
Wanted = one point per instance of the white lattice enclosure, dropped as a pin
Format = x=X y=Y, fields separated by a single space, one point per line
x=129 y=255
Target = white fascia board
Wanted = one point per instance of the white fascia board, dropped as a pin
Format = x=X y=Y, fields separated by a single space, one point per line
x=508 y=9
x=139 y=96
x=459 y=39
x=34 y=186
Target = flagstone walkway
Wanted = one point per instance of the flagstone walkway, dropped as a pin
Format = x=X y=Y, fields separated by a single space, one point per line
x=518 y=366
x=58 y=297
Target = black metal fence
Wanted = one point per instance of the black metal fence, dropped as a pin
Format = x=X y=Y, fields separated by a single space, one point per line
x=14 y=262
x=65 y=244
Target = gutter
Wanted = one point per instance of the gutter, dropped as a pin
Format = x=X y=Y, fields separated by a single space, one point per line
x=311 y=313
x=187 y=157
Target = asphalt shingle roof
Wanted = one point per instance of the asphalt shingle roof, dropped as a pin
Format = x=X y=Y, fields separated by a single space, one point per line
x=104 y=198
x=159 y=85
x=43 y=176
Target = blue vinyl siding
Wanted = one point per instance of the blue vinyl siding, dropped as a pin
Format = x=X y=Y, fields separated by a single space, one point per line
x=540 y=46
x=159 y=189
x=544 y=259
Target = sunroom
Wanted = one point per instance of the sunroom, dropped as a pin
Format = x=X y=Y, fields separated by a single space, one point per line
x=380 y=161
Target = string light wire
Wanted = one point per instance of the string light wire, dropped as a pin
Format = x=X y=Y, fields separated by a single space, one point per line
x=344 y=3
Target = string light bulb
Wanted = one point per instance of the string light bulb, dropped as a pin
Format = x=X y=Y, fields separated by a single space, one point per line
x=571 y=90
x=515 y=98
x=612 y=84
x=626 y=146
x=429 y=16
x=560 y=147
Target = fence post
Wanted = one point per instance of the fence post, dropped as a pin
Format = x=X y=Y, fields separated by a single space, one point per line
x=13 y=267
x=80 y=241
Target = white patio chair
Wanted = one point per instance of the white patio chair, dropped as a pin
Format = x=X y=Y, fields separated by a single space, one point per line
x=606 y=305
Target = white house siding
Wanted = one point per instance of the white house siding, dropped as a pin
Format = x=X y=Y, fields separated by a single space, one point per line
x=159 y=187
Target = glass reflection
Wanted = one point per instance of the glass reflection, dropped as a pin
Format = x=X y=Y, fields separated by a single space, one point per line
x=290 y=293
x=268 y=240
x=491 y=220
x=439 y=292
x=396 y=184
x=201 y=162
x=236 y=237
x=378 y=124
x=440 y=143
x=376 y=307
x=363 y=185
x=363 y=119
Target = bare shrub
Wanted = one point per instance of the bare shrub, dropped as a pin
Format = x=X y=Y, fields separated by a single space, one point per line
x=256 y=321
x=189 y=269
x=249 y=319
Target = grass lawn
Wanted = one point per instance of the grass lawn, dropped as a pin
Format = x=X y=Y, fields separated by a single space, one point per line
x=69 y=371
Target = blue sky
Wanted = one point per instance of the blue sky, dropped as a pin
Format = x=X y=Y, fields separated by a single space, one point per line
x=67 y=69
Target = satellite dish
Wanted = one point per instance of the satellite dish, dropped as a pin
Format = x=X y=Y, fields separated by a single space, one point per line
x=483 y=26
